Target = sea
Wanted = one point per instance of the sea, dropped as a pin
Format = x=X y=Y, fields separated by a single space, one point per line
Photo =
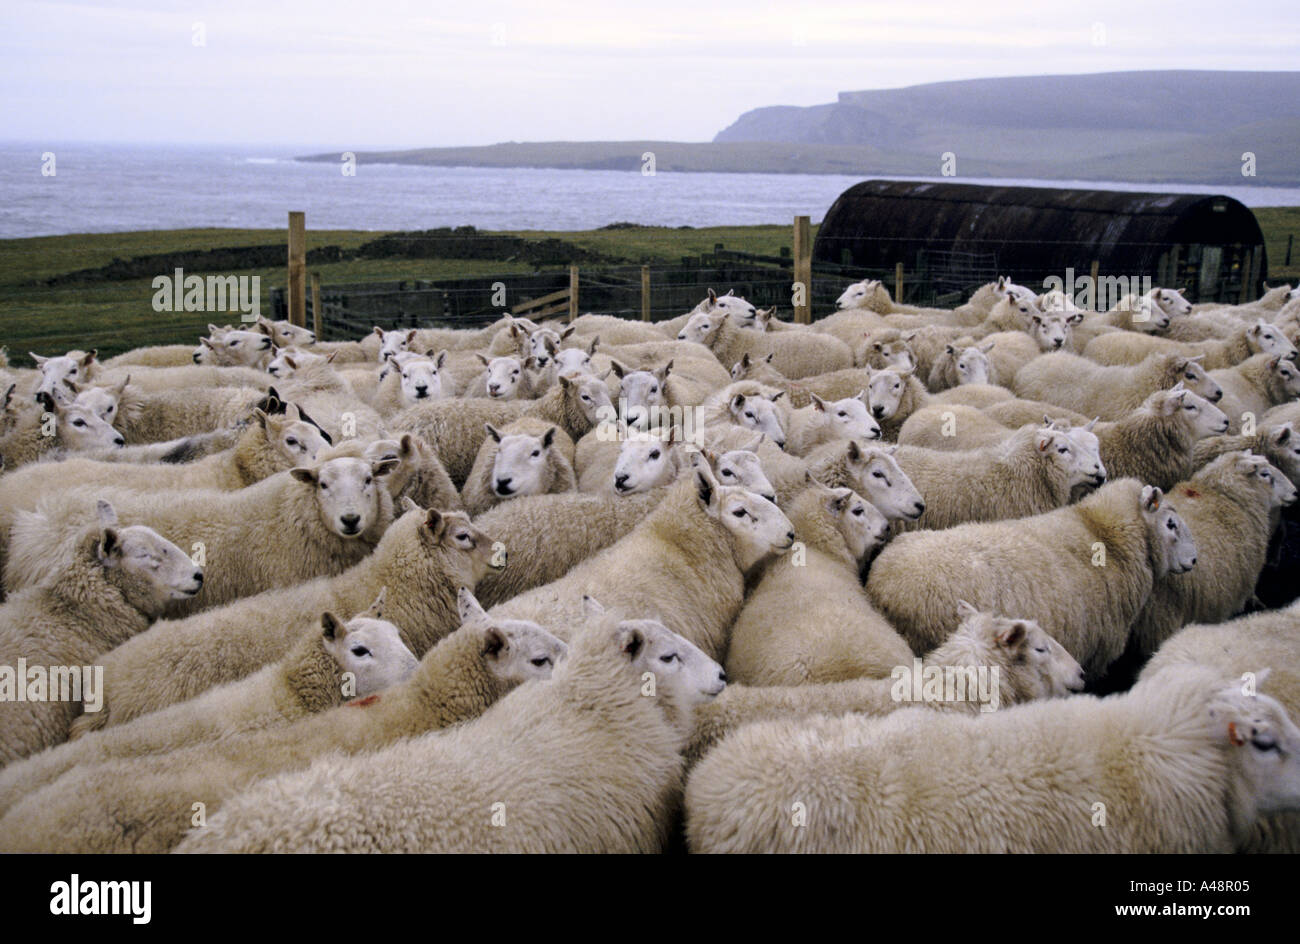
x=54 y=189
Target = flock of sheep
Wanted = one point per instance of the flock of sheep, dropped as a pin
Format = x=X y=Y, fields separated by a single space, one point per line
x=721 y=583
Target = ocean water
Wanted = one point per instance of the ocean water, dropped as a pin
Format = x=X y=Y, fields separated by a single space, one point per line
x=101 y=188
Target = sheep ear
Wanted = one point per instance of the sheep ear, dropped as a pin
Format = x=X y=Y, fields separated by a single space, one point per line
x=706 y=486
x=89 y=357
x=110 y=544
x=629 y=639
x=1282 y=434
x=738 y=401
x=105 y=513
x=1151 y=498
x=436 y=523
x=548 y=437
x=384 y=466
x=1091 y=423
x=410 y=336
x=591 y=607
x=1013 y=635
x=713 y=298
x=753 y=443
x=492 y=431
x=206 y=343
x=619 y=369
x=306 y=476
x=47 y=402
x=468 y=606
x=818 y=403
x=777 y=396
x=595 y=343
x=494 y=643
x=40 y=361
x=855 y=454
x=332 y=627
x=482 y=360
x=1076 y=318
x=408 y=504
x=379 y=332
x=838 y=500
x=1044 y=438
x=9 y=394
x=744 y=361
x=965 y=610
x=949 y=349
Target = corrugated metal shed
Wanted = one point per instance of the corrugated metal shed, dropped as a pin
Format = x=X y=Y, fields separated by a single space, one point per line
x=1036 y=232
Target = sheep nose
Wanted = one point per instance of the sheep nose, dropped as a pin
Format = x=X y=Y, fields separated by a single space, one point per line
x=1218 y=395
x=422 y=390
x=920 y=508
x=502 y=483
x=620 y=480
x=198 y=576
x=195 y=355
x=878 y=412
x=119 y=441
x=722 y=675
x=350 y=521
x=789 y=535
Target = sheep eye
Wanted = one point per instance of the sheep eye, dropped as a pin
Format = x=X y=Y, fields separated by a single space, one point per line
x=234 y=343
x=654 y=455
x=462 y=536
x=841 y=414
x=727 y=472
x=1042 y=649
x=1170 y=525
x=858 y=511
x=291 y=441
x=78 y=422
x=877 y=475
x=536 y=453
x=360 y=651
x=323 y=486
x=369 y=480
x=1063 y=450
x=1190 y=375
x=668 y=658
x=739 y=512
x=540 y=662
x=749 y=416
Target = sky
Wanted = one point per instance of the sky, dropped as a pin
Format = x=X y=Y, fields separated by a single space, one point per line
x=372 y=74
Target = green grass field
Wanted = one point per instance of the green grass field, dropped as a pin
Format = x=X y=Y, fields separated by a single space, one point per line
x=115 y=316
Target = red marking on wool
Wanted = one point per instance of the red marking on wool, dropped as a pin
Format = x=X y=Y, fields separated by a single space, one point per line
x=1191 y=493
x=1233 y=736
x=363 y=702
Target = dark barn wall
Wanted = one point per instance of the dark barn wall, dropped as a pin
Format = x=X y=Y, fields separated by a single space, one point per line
x=1036 y=232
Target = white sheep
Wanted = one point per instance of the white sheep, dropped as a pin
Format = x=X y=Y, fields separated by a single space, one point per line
x=1078 y=384
x=456 y=681
x=967 y=365
x=1030 y=664
x=685 y=564
x=307 y=522
x=115 y=582
x=1254 y=386
x=527 y=457
x=1083 y=571
x=1249 y=340
x=871 y=471
x=795 y=354
x=55 y=425
x=512 y=779
x=808 y=619
x=422 y=560
x=1183 y=763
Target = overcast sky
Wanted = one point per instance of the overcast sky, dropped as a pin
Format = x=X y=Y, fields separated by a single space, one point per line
x=360 y=74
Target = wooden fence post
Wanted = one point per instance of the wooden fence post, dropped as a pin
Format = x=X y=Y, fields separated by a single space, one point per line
x=1093 y=273
x=573 y=293
x=317 y=321
x=297 y=268
x=645 y=293
x=803 y=269
x=898 y=282
x=1247 y=266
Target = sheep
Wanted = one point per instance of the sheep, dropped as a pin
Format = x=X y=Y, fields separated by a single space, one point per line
x=411 y=379
x=326 y=666
x=713 y=303
x=423 y=559
x=444 y=791
x=55 y=425
x=157 y=417
x=1255 y=385
x=323 y=391
x=273 y=444
x=1154 y=313
x=234 y=348
x=288 y=360
x=821 y=422
x=419 y=475
x=1183 y=763
x=638 y=461
x=116 y=581
x=168 y=380
x=869 y=294
x=1226 y=506
x=1278 y=444
x=74 y=367
x=1240 y=648
x=685 y=564
x=796 y=355
x=896 y=394
x=286 y=334
x=549 y=535
x=748 y=405
x=307 y=522
x=503 y=378
x=1030 y=665
x=1012 y=312
x=1008 y=352
x=615 y=330
x=872 y=472
x=1249 y=340
x=808 y=619
x=884 y=349
x=456 y=429
x=1078 y=384
x=965 y=366
x=924 y=345
x=162 y=355
x=1083 y=571
x=833 y=385
x=527 y=457
x=1037 y=469
x=456 y=681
